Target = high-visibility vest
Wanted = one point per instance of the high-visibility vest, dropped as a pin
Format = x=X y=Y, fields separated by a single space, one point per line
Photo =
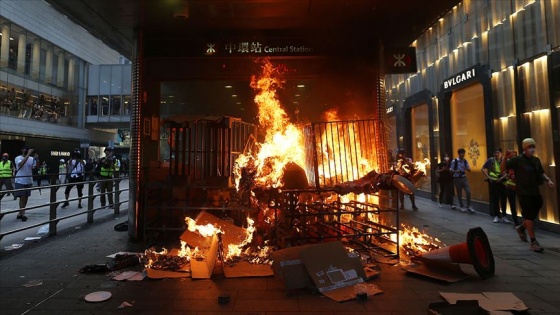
x=108 y=171
x=494 y=172
x=43 y=170
x=6 y=168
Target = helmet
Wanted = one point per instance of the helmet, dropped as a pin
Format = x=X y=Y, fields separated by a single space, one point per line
x=77 y=154
x=62 y=161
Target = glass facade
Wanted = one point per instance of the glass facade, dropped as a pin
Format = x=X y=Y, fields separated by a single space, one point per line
x=421 y=144
x=514 y=42
x=108 y=91
x=38 y=80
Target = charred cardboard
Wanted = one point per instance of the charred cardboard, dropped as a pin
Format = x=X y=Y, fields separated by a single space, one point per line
x=202 y=268
x=333 y=272
x=232 y=235
x=447 y=272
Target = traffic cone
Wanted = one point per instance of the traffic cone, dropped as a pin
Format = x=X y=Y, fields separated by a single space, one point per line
x=475 y=251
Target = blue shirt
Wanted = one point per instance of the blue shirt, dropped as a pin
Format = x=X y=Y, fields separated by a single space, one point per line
x=460 y=166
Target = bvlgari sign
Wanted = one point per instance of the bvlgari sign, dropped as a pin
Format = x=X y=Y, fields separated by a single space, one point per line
x=459 y=78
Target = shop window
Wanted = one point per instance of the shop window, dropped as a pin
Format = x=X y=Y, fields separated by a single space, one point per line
x=468 y=131
x=421 y=142
x=104 y=104
x=92 y=107
x=116 y=108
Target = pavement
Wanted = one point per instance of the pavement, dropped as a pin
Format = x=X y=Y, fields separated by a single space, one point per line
x=45 y=278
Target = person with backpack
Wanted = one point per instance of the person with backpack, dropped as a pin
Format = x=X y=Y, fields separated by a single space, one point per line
x=529 y=174
x=497 y=191
x=459 y=167
x=75 y=169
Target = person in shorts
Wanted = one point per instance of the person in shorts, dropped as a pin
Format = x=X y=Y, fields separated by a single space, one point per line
x=24 y=179
x=529 y=174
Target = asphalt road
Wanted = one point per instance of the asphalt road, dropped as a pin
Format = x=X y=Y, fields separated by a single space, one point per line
x=9 y=222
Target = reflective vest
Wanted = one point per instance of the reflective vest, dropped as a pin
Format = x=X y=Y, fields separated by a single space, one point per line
x=494 y=172
x=6 y=168
x=43 y=170
x=62 y=168
x=108 y=171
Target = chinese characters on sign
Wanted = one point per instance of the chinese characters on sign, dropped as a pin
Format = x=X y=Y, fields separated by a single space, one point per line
x=254 y=48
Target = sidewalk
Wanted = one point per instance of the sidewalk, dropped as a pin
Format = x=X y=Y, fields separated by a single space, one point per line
x=532 y=277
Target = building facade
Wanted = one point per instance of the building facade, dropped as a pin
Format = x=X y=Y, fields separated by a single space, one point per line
x=488 y=76
x=45 y=61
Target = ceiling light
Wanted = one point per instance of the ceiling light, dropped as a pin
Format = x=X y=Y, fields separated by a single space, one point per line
x=301 y=86
x=228 y=86
x=297 y=95
x=234 y=95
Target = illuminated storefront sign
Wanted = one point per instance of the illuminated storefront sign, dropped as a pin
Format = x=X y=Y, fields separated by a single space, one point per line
x=60 y=153
x=459 y=78
x=390 y=109
x=254 y=48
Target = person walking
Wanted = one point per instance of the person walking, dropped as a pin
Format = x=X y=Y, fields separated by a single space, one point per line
x=108 y=167
x=445 y=181
x=62 y=171
x=529 y=174
x=496 y=189
x=24 y=179
x=511 y=191
x=76 y=168
x=6 y=173
x=459 y=168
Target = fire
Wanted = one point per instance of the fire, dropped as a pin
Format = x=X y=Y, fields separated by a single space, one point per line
x=204 y=230
x=283 y=140
x=413 y=241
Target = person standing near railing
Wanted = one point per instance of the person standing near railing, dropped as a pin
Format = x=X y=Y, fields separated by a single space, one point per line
x=24 y=179
x=6 y=173
x=76 y=168
x=108 y=167
x=62 y=171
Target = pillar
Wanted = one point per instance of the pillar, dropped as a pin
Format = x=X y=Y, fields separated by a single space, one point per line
x=22 y=42
x=60 y=70
x=49 y=64
x=71 y=72
x=5 y=52
x=35 y=58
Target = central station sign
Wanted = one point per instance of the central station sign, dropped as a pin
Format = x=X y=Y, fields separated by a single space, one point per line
x=255 y=48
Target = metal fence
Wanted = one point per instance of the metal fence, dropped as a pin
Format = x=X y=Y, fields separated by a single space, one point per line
x=54 y=218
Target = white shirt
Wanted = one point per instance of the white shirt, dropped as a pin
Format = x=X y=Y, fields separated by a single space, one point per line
x=76 y=168
x=24 y=174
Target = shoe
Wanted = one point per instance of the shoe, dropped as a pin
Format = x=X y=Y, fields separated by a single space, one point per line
x=505 y=220
x=463 y=209
x=103 y=206
x=80 y=206
x=415 y=208
x=440 y=205
x=521 y=232
x=536 y=247
x=66 y=204
x=111 y=206
x=471 y=210
x=496 y=220
x=23 y=218
x=19 y=216
x=454 y=207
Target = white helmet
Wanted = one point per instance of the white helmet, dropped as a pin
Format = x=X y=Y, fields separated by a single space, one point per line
x=62 y=161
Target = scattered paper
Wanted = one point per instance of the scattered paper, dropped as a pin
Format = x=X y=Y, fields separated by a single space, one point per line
x=44 y=229
x=121 y=253
x=33 y=283
x=13 y=246
x=130 y=276
x=490 y=301
x=32 y=238
x=125 y=304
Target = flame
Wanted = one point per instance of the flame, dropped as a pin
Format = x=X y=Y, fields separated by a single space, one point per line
x=236 y=249
x=414 y=242
x=283 y=140
x=204 y=230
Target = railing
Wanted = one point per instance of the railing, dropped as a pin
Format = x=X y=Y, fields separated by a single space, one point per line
x=54 y=203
